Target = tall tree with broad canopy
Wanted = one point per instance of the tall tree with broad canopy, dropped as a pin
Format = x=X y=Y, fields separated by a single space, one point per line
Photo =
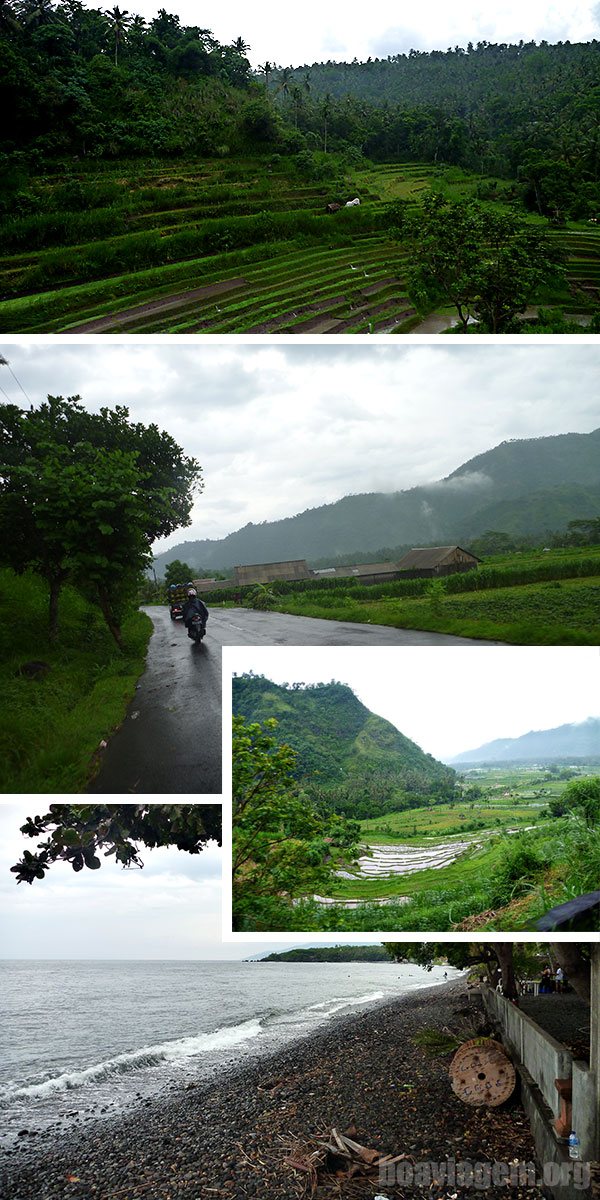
x=78 y=834
x=282 y=848
x=489 y=265
x=178 y=572
x=83 y=495
x=498 y=958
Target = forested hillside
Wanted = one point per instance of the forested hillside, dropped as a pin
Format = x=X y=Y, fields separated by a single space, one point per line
x=349 y=760
x=100 y=82
x=522 y=109
x=523 y=486
x=103 y=82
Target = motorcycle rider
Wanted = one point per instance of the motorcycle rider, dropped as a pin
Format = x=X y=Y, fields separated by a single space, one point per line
x=192 y=607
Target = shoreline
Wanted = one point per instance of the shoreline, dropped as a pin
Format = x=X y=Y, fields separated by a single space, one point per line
x=229 y=1136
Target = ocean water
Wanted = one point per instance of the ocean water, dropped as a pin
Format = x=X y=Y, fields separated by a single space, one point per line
x=85 y=1040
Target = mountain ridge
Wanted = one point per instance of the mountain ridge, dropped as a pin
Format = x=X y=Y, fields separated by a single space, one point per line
x=502 y=482
x=578 y=739
x=355 y=761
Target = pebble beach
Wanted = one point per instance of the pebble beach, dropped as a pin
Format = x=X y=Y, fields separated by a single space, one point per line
x=236 y=1135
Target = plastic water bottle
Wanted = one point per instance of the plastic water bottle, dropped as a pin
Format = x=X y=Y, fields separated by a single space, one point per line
x=574 y=1146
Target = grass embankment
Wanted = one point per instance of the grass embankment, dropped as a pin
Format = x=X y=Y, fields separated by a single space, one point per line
x=520 y=862
x=553 y=599
x=52 y=722
x=505 y=885
x=121 y=236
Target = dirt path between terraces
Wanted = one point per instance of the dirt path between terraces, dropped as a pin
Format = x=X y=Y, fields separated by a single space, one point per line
x=101 y=324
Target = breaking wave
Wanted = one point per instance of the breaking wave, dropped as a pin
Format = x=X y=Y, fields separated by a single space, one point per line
x=135 y=1060
x=328 y=1007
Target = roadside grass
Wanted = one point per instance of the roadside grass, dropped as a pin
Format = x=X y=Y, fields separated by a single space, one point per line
x=51 y=725
x=557 y=612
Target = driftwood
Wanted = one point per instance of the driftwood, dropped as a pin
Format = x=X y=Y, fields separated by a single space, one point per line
x=337 y=1158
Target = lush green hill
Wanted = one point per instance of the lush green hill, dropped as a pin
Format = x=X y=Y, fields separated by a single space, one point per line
x=532 y=485
x=347 y=953
x=349 y=759
x=579 y=740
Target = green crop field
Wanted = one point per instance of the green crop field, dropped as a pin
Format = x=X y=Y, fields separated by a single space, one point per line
x=513 y=860
x=229 y=247
x=534 y=598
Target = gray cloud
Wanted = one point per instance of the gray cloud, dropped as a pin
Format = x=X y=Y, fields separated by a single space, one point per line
x=282 y=428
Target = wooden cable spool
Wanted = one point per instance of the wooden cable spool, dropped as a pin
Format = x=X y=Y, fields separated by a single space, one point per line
x=481 y=1074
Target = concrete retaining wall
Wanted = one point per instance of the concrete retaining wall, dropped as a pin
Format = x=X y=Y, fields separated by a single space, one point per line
x=540 y=1059
x=543 y=1057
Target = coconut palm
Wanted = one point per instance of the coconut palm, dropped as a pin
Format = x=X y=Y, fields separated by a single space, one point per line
x=120 y=21
x=266 y=69
x=240 y=46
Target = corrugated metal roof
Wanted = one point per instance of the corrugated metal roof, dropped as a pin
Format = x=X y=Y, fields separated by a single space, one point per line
x=387 y=568
x=430 y=556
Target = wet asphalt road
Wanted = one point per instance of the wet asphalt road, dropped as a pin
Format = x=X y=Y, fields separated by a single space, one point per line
x=170 y=741
x=243 y=627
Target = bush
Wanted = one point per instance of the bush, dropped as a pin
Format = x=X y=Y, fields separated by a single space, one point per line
x=522 y=864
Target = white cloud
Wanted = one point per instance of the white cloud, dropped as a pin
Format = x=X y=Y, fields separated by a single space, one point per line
x=496 y=691
x=281 y=429
x=342 y=31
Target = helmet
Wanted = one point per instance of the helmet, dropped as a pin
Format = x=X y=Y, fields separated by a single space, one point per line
x=192 y=592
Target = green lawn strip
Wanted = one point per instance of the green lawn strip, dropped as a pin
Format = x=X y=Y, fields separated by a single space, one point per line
x=52 y=724
x=550 y=613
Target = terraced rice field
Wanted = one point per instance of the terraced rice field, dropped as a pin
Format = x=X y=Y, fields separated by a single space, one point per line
x=384 y=861
x=221 y=247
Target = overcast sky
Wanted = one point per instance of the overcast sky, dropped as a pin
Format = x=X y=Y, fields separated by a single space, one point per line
x=493 y=692
x=341 y=31
x=278 y=429
x=169 y=910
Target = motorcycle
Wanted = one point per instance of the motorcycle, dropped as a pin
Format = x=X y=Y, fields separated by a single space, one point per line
x=197 y=628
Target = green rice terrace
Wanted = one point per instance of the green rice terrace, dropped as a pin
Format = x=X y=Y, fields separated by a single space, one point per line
x=407 y=852
x=496 y=862
x=217 y=247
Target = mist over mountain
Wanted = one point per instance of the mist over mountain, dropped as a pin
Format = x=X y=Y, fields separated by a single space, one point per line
x=524 y=486
x=349 y=759
x=579 y=740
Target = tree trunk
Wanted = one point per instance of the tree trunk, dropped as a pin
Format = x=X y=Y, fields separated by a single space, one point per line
x=109 y=616
x=504 y=951
x=55 y=583
x=576 y=968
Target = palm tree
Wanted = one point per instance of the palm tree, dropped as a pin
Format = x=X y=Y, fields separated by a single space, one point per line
x=240 y=46
x=266 y=68
x=120 y=21
x=8 y=18
x=284 y=80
